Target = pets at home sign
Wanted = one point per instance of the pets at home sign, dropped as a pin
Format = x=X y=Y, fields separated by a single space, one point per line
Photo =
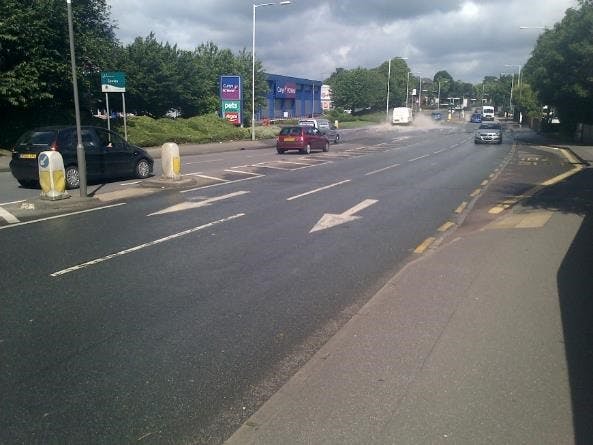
x=230 y=99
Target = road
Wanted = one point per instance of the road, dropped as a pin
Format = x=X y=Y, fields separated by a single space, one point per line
x=171 y=318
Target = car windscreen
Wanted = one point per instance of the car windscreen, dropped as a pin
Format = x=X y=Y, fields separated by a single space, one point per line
x=37 y=139
x=490 y=127
x=306 y=123
x=290 y=131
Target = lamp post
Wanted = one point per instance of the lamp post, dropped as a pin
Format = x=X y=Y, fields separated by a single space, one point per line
x=79 y=147
x=255 y=6
x=439 y=99
x=519 y=79
x=388 y=82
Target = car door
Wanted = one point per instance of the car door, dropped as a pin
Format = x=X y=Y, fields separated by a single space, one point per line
x=117 y=155
x=93 y=153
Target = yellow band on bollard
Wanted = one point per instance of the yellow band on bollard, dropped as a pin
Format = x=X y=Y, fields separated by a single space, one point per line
x=177 y=165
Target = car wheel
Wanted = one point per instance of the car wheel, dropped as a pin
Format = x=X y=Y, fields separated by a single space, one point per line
x=280 y=151
x=72 y=177
x=307 y=149
x=142 y=169
x=326 y=147
x=337 y=139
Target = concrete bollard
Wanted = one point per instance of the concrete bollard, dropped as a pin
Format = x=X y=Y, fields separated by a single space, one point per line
x=52 y=177
x=171 y=161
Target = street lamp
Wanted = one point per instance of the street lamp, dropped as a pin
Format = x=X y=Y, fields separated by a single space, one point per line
x=519 y=79
x=388 y=81
x=439 y=102
x=253 y=63
x=79 y=147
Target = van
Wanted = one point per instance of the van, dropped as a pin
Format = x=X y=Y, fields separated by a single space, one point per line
x=402 y=116
x=324 y=126
x=487 y=113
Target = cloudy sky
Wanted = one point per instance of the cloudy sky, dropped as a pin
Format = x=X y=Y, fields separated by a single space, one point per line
x=311 y=38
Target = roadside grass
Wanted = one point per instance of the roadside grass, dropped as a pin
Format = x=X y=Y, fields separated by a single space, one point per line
x=145 y=131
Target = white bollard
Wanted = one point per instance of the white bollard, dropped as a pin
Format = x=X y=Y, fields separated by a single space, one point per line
x=171 y=161
x=52 y=177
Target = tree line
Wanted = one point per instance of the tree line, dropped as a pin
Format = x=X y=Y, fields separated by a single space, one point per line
x=36 y=78
x=36 y=88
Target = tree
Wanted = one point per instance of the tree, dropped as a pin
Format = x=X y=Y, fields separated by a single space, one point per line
x=561 y=64
x=35 y=72
x=358 y=89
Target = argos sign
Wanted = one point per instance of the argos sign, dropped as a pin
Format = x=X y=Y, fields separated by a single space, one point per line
x=286 y=91
x=230 y=98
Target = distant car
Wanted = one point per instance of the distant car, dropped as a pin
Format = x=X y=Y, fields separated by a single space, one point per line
x=303 y=139
x=107 y=155
x=476 y=118
x=488 y=133
x=324 y=126
x=436 y=115
x=487 y=113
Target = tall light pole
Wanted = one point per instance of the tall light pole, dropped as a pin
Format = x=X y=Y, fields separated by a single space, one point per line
x=519 y=79
x=253 y=63
x=79 y=147
x=439 y=100
x=388 y=82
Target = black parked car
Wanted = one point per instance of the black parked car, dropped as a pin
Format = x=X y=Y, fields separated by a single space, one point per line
x=107 y=155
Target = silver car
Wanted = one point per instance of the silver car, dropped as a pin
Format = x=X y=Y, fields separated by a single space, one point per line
x=488 y=133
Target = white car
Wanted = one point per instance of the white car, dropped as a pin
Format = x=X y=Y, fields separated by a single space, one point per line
x=324 y=126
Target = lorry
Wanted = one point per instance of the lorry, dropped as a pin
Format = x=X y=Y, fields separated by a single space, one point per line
x=402 y=116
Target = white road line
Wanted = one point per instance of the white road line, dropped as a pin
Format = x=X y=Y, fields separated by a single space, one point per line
x=271 y=167
x=219 y=184
x=419 y=157
x=381 y=169
x=131 y=183
x=62 y=216
x=243 y=172
x=203 y=162
x=440 y=151
x=317 y=190
x=144 y=245
x=196 y=205
x=212 y=177
x=8 y=217
x=293 y=162
x=192 y=174
x=11 y=202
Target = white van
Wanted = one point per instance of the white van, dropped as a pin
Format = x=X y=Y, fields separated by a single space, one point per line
x=402 y=116
x=487 y=113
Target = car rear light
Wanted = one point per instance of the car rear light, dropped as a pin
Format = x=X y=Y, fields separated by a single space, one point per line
x=300 y=139
x=54 y=146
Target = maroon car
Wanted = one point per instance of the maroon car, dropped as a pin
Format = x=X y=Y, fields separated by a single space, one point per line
x=303 y=139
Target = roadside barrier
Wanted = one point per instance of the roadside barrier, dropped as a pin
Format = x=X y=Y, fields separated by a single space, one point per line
x=52 y=177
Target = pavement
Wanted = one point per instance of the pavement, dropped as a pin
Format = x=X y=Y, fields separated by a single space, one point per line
x=487 y=337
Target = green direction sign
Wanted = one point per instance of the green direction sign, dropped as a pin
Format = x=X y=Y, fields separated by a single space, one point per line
x=113 y=82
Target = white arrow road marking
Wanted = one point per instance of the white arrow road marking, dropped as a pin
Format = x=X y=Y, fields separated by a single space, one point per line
x=195 y=205
x=331 y=219
x=142 y=246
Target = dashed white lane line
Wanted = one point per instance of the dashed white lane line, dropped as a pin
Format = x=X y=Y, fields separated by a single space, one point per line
x=214 y=178
x=219 y=184
x=418 y=158
x=381 y=169
x=131 y=183
x=440 y=151
x=61 y=216
x=144 y=245
x=8 y=217
x=318 y=190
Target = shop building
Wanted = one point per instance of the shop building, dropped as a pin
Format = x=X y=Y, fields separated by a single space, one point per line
x=290 y=97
